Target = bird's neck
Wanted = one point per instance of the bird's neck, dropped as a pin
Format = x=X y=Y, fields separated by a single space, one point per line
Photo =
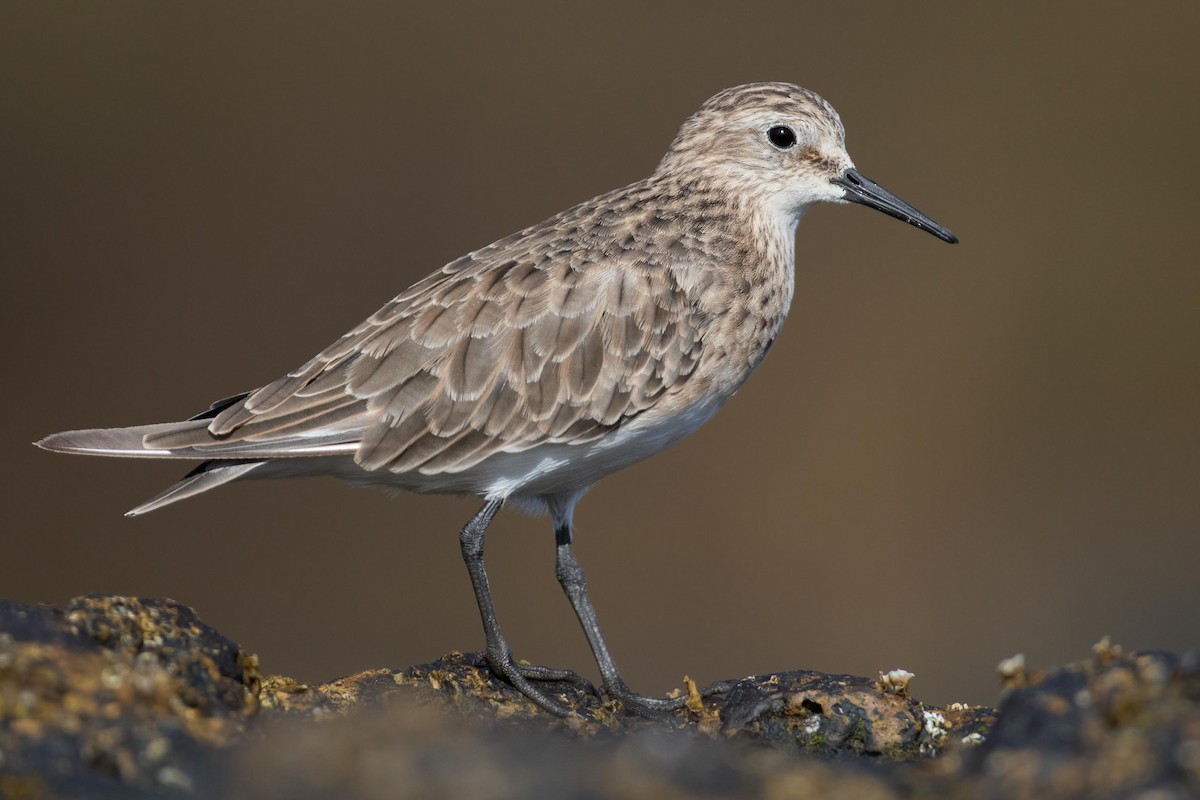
x=735 y=254
x=752 y=237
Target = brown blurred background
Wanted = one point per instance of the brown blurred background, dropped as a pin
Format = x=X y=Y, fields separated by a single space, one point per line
x=953 y=453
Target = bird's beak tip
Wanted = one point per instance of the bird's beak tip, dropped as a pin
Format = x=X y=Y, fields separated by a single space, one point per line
x=860 y=189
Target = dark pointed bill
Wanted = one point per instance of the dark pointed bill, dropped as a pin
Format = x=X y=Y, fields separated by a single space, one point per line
x=860 y=189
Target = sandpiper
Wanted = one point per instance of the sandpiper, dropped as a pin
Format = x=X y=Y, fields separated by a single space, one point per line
x=527 y=370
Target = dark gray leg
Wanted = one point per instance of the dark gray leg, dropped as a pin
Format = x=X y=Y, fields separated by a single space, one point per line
x=496 y=651
x=574 y=583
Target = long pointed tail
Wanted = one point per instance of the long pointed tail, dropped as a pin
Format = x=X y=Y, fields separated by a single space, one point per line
x=122 y=442
x=208 y=475
x=130 y=443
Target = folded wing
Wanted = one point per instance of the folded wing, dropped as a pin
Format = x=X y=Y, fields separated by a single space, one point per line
x=489 y=355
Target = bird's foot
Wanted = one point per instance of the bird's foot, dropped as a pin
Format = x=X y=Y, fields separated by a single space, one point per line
x=535 y=672
x=656 y=708
x=519 y=676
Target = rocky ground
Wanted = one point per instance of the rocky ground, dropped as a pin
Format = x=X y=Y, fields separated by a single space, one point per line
x=124 y=697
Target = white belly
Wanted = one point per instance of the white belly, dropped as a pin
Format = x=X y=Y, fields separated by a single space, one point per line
x=545 y=470
x=558 y=468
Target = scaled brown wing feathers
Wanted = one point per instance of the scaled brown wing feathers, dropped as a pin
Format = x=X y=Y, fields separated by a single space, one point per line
x=488 y=355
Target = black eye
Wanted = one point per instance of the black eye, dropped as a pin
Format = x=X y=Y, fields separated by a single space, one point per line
x=781 y=136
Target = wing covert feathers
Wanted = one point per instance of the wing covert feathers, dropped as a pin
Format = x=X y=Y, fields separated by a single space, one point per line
x=495 y=353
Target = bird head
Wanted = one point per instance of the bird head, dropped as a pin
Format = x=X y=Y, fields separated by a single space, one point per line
x=783 y=146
